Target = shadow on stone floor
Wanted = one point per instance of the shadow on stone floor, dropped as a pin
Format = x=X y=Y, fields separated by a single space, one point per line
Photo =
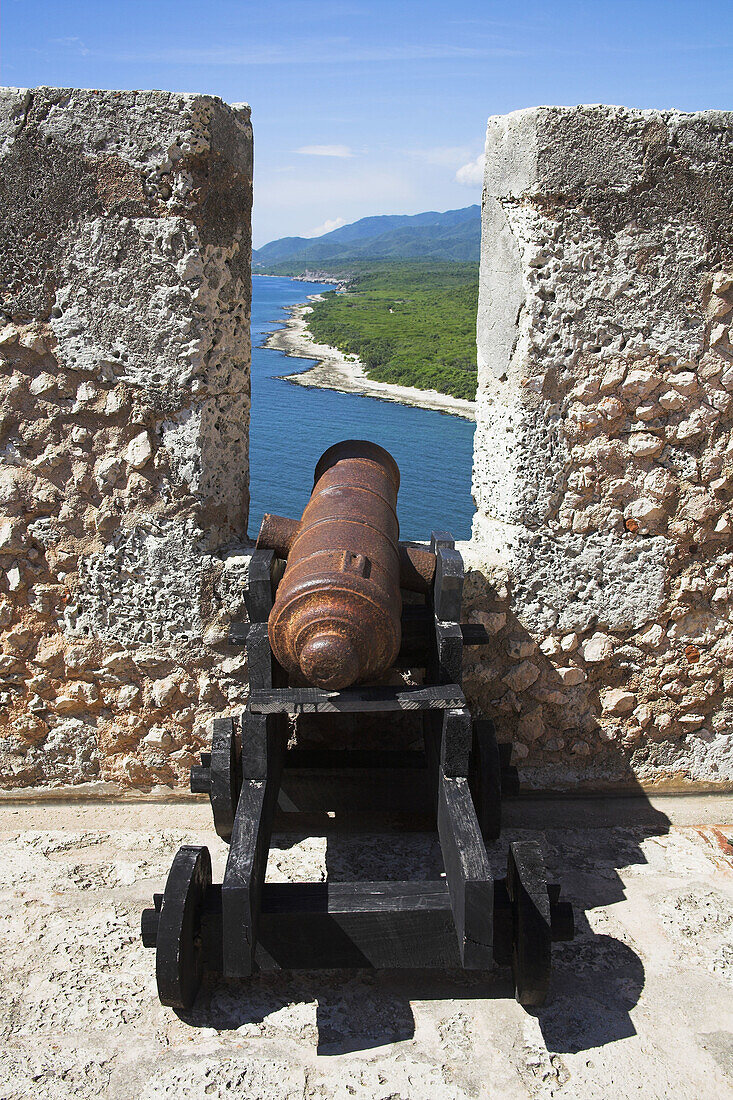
x=366 y=1010
x=344 y=1011
x=592 y=1011
x=597 y=979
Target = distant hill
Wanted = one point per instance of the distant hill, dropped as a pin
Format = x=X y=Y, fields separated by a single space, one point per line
x=454 y=236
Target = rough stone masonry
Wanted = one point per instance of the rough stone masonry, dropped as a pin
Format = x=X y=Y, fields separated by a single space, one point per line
x=124 y=398
x=603 y=471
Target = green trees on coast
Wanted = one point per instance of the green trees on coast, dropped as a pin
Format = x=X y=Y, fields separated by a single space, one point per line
x=411 y=324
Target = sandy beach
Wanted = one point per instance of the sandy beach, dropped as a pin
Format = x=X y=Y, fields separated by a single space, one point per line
x=335 y=371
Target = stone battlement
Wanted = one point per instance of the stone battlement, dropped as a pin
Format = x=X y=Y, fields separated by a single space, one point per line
x=125 y=269
x=603 y=469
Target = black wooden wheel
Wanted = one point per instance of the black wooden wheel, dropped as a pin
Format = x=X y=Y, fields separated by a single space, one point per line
x=531 y=922
x=226 y=779
x=179 y=959
x=485 y=778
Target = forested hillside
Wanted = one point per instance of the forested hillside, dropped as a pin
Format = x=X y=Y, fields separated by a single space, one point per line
x=411 y=324
x=450 y=236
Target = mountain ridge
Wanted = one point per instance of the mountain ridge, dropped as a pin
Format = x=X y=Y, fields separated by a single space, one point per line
x=451 y=235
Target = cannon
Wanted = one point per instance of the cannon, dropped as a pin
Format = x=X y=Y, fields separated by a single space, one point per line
x=336 y=617
x=328 y=632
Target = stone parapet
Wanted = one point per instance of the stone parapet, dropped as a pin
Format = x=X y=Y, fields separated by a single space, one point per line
x=124 y=388
x=603 y=467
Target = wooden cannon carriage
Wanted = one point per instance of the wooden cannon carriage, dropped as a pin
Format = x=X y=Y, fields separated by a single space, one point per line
x=336 y=624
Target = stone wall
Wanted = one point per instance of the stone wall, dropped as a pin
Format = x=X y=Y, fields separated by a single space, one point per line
x=602 y=551
x=124 y=405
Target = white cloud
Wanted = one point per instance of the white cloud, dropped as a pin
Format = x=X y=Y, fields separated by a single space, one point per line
x=325 y=151
x=472 y=174
x=327 y=227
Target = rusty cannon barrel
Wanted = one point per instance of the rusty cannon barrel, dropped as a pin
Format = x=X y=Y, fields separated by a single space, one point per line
x=336 y=616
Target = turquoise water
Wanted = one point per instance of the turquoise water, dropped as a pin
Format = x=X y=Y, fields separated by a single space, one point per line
x=291 y=426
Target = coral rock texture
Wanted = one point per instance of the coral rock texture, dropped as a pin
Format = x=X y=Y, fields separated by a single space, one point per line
x=124 y=414
x=603 y=469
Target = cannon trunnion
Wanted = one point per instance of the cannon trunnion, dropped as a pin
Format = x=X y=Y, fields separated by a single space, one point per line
x=466 y=919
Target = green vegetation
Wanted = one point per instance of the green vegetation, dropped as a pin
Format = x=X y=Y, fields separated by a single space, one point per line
x=409 y=310
x=413 y=324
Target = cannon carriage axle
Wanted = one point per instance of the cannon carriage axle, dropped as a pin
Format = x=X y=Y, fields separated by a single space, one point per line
x=468 y=919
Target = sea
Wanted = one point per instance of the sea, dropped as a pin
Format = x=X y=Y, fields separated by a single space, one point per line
x=291 y=426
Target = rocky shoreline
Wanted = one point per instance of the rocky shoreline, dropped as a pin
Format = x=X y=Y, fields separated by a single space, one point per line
x=335 y=371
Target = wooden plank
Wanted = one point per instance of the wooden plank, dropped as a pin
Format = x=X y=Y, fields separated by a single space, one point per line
x=475 y=634
x=349 y=791
x=244 y=871
x=355 y=897
x=225 y=777
x=319 y=701
x=238 y=633
x=247 y=862
x=485 y=779
x=418 y=641
x=445 y=663
x=467 y=870
x=258 y=590
x=353 y=925
x=259 y=657
x=448 y=585
x=448 y=737
x=254 y=745
x=532 y=922
x=456 y=741
x=418 y=626
x=441 y=539
x=449 y=652
x=352 y=822
x=355 y=758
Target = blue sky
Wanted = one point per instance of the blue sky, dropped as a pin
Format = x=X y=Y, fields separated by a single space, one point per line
x=375 y=107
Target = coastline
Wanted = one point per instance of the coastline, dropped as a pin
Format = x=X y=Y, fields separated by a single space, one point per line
x=334 y=371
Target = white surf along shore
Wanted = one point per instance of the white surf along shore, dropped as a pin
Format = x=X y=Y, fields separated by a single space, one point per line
x=336 y=371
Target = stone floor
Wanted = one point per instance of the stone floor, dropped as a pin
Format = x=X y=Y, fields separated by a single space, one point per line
x=642 y=1001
